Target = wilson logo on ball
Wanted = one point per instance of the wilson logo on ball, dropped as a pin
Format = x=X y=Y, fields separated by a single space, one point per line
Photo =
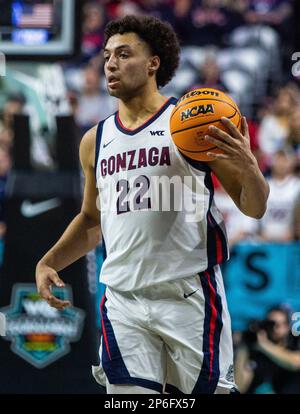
x=196 y=110
x=198 y=92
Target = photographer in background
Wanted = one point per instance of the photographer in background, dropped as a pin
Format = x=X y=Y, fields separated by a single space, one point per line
x=269 y=356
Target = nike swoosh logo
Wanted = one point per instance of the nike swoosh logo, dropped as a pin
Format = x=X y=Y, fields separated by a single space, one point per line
x=29 y=209
x=190 y=294
x=107 y=144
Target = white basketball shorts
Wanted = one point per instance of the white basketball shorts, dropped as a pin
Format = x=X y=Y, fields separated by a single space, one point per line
x=173 y=337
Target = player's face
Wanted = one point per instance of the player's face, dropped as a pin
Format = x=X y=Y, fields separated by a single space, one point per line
x=127 y=59
x=282 y=165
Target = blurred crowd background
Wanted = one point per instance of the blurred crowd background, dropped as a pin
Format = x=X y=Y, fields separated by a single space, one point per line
x=246 y=48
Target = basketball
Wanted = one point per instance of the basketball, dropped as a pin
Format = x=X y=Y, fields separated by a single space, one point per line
x=193 y=114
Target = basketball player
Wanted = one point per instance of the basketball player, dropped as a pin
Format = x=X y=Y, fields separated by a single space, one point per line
x=165 y=321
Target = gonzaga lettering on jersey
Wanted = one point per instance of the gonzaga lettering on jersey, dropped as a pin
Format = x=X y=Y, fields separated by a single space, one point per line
x=131 y=160
x=147 y=192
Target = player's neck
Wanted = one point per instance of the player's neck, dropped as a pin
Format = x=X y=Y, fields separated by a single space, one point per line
x=135 y=111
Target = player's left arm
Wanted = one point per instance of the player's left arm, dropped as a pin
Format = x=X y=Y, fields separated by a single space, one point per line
x=237 y=168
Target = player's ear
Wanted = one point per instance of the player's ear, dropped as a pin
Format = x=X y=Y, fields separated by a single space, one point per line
x=154 y=63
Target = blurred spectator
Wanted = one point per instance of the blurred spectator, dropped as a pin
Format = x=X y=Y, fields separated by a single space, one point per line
x=204 y=22
x=293 y=138
x=274 y=127
x=93 y=104
x=240 y=6
x=253 y=126
x=163 y=9
x=128 y=7
x=209 y=74
x=120 y=8
x=183 y=12
x=93 y=27
x=5 y=166
x=73 y=101
x=274 y=13
x=5 y=163
x=277 y=14
x=277 y=223
x=269 y=356
x=14 y=105
x=296 y=220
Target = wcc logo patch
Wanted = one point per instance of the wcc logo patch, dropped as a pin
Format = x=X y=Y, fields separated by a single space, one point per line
x=39 y=333
x=196 y=110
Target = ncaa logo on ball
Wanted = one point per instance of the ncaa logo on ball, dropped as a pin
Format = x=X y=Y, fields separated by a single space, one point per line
x=196 y=111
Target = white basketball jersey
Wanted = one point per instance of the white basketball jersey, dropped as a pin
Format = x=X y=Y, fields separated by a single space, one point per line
x=158 y=217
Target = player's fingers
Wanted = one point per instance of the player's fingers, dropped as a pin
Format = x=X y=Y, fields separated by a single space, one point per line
x=57 y=303
x=45 y=288
x=56 y=279
x=219 y=143
x=218 y=156
x=219 y=133
x=234 y=132
x=44 y=291
x=245 y=129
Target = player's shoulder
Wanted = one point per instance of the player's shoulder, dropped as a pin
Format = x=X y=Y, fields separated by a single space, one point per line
x=89 y=139
x=87 y=146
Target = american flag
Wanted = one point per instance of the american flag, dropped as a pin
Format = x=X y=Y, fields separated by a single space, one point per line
x=37 y=15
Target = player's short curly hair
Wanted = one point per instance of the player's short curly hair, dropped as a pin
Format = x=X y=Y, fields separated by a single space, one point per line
x=159 y=36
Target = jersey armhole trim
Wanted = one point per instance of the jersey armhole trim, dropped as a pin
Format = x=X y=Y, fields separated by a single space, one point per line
x=98 y=143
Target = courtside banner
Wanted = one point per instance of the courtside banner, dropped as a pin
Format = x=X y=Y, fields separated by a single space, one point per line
x=259 y=276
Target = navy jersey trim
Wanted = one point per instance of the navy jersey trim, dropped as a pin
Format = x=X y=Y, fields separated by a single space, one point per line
x=210 y=371
x=104 y=249
x=171 y=389
x=217 y=250
x=98 y=143
x=170 y=101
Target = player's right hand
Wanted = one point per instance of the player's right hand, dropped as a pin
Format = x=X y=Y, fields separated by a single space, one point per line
x=46 y=277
